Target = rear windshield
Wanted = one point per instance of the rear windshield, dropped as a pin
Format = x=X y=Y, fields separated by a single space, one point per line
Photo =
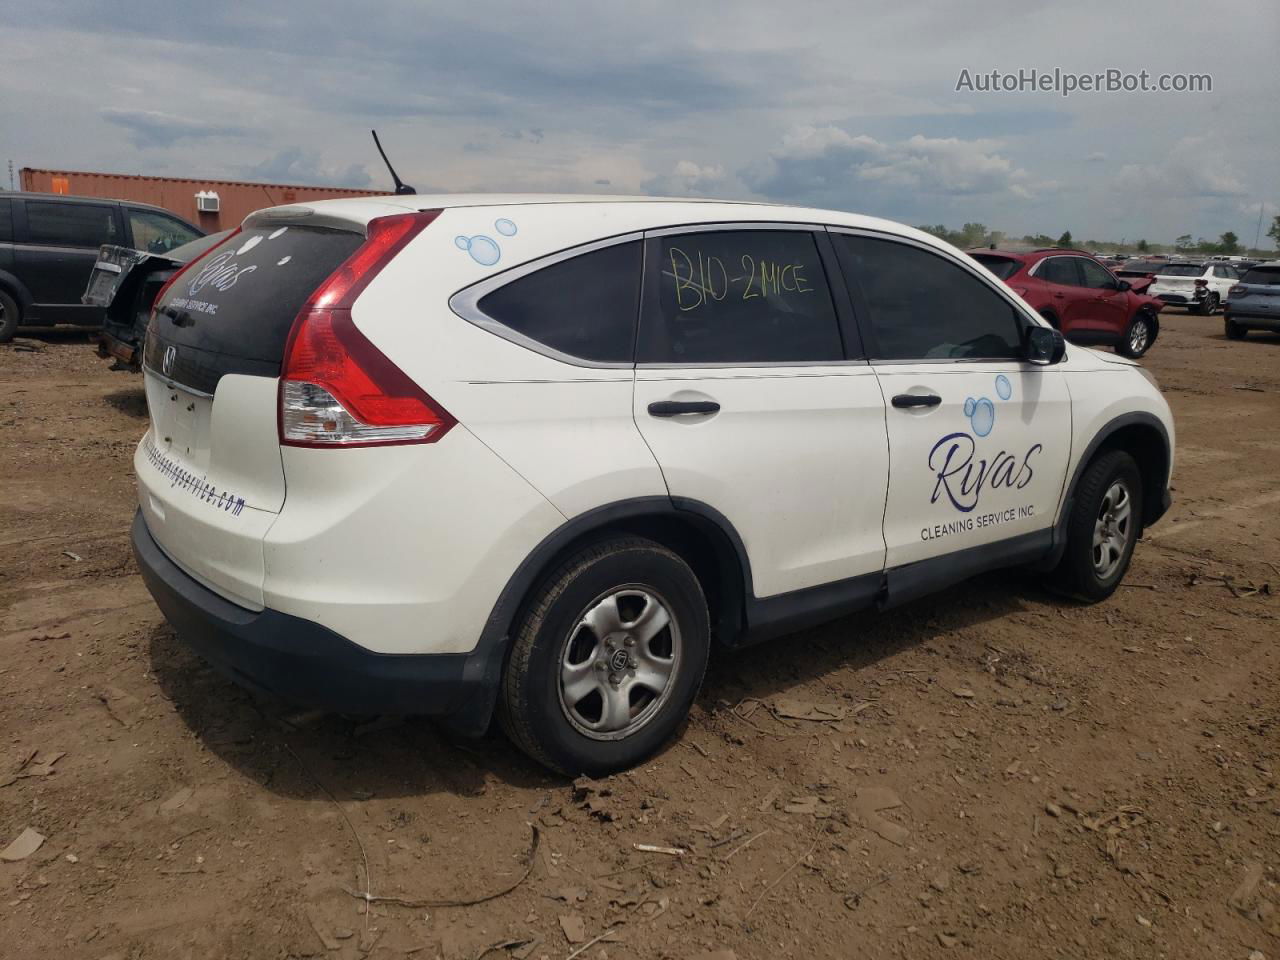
x=1268 y=276
x=231 y=310
x=1002 y=267
x=1181 y=270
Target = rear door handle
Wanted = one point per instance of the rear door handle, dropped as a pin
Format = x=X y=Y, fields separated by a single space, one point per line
x=916 y=400
x=674 y=408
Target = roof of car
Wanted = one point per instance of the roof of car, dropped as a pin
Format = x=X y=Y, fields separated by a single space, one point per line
x=71 y=198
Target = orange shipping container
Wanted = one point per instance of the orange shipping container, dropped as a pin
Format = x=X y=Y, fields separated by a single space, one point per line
x=230 y=203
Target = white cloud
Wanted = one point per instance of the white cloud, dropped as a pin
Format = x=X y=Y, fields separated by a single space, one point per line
x=1195 y=167
x=688 y=179
x=813 y=162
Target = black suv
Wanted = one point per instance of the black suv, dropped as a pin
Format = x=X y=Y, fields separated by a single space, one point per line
x=49 y=244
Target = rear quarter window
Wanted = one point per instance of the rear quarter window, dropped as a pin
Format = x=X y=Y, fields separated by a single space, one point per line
x=1002 y=267
x=583 y=307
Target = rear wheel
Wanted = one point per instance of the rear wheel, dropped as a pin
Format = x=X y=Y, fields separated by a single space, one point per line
x=607 y=659
x=1139 y=337
x=1209 y=306
x=1233 y=330
x=1103 y=527
x=9 y=317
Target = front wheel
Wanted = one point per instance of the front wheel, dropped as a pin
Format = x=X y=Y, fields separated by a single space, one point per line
x=1138 y=338
x=1103 y=528
x=1233 y=330
x=607 y=658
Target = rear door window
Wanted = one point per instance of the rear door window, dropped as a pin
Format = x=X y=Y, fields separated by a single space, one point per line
x=1061 y=270
x=232 y=309
x=71 y=224
x=583 y=307
x=737 y=297
x=1096 y=276
x=921 y=306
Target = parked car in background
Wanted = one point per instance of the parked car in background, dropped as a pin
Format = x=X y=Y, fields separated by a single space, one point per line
x=1254 y=302
x=1139 y=274
x=1198 y=285
x=1079 y=296
x=124 y=283
x=49 y=244
x=540 y=455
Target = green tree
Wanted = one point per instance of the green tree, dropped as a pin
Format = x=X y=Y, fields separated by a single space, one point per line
x=1038 y=240
x=1274 y=230
x=1228 y=243
x=1183 y=243
x=1065 y=240
x=1143 y=246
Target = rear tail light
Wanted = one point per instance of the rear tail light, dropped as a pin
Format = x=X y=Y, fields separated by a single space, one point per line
x=1201 y=282
x=1237 y=290
x=336 y=388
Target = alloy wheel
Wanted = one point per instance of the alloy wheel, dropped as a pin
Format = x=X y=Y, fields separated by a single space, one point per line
x=618 y=663
x=1112 y=530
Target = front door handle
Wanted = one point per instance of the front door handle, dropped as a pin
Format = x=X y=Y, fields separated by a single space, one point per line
x=916 y=400
x=675 y=408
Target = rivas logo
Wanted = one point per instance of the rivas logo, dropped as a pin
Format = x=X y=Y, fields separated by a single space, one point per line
x=961 y=474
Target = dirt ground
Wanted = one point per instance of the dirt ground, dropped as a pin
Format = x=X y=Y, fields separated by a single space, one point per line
x=992 y=772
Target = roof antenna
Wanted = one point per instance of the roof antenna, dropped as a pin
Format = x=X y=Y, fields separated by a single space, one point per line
x=402 y=188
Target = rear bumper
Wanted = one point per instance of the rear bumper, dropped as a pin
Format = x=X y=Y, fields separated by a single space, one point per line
x=307 y=663
x=110 y=346
x=1269 y=321
x=1178 y=298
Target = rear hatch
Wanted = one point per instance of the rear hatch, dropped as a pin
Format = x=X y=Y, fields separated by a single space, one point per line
x=1257 y=292
x=209 y=469
x=1178 y=278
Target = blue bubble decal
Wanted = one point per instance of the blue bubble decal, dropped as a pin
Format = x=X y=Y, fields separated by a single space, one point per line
x=982 y=416
x=969 y=404
x=483 y=250
x=1003 y=387
x=505 y=227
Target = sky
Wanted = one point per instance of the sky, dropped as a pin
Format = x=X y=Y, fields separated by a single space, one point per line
x=846 y=105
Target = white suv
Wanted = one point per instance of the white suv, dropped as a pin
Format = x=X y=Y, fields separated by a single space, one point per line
x=1198 y=285
x=442 y=454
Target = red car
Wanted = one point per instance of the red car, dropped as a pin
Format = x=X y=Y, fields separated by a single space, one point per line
x=1079 y=296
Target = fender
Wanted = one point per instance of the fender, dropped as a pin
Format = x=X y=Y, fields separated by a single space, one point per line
x=1153 y=509
x=484 y=663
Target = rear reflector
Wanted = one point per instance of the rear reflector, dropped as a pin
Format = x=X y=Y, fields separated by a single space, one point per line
x=336 y=388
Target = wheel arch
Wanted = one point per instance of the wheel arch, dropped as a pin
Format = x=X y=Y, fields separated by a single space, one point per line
x=16 y=289
x=1145 y=438
x=698 y=533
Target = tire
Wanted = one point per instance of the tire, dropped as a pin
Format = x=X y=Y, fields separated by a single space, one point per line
x=1139 y=336
x=9 y=317
x=603 y=595
x=1233 y=330
x=1209 y=307
x=1090 y=571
